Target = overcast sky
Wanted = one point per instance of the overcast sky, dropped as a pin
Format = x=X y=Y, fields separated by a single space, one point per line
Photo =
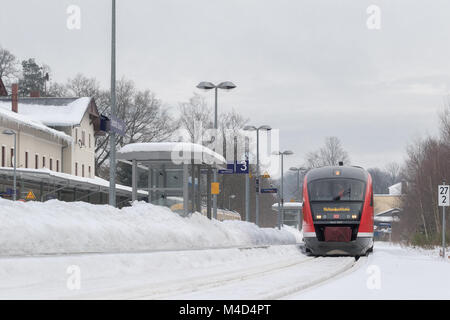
x=309 y=68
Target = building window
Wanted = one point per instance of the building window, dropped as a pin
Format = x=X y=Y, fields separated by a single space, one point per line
x=36 y=161
x=89 y=140
x=76 y=136
x=76 y=168
x=82 y=170
x=26 y=160
x=51 y=164
x=83 y=138
x=90 y=176
x=57 y=165
x=3 y=156
x=43 y=162
x=12 y=157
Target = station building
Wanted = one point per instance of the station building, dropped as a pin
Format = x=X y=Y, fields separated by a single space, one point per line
x=55 y=155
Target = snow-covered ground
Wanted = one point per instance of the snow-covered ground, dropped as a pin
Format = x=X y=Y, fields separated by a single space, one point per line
x=63 y=250
x=391 y=272
x=274 y=272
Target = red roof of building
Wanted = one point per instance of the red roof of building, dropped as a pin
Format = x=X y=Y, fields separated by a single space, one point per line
x=3 y=91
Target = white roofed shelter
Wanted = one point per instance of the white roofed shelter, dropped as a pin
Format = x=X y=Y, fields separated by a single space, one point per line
x=173 y=168
x=293 y=214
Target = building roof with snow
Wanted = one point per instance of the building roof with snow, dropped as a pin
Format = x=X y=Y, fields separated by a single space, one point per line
x=26 y=121
x=55 y=112
x=395 y=189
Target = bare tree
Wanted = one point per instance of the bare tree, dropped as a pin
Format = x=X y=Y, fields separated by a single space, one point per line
x=230 y=128
x=196 y=118
x=427 y=164
x=444 y=119
x=9 y=67
x=381 y=180
x=57 y=90
x=393 y=170
x=329 y=155
x=145 y=117
x=82 y=86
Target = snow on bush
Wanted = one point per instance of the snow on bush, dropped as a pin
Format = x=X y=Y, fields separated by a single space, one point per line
x=71 y=227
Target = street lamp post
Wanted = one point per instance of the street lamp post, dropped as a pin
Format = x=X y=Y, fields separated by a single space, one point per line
x=253 y=128
x=281 y=214
x=227 y=85
x=247 y=182
x=298 y=170
x=112 y=135
x=13 y=133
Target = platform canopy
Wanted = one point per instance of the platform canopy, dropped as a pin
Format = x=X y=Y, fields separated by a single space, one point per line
x=159 y=158
x=289 y=205
x=175 y=152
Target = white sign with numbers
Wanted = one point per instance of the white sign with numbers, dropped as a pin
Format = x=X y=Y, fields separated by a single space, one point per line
x=444 y=195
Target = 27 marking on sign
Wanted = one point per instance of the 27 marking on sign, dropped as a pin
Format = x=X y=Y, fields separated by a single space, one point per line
x=444 y=195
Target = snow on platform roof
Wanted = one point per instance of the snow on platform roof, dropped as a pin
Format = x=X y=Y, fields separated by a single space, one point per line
x=69 y=180
x=291 y=205
x=51 y=111
x=23 y=120
x=177 y=152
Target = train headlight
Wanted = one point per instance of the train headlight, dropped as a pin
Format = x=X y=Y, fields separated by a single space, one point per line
x=318 y=217
x=354 y=216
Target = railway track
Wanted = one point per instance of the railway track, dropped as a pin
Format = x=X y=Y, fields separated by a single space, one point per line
x=267 y=282
x=255 y=273
x=271 y=284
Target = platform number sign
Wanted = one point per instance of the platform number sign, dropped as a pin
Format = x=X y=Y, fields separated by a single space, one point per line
x=444 y=195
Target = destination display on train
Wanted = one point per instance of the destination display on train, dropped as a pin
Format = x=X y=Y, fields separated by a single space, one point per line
x=341 y=211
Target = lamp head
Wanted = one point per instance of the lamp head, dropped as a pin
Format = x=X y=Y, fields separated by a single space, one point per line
x=265 y=127
x=206 y=85
x=227 y=85
x=249 y=128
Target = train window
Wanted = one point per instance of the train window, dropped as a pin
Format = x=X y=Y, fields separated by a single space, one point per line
x=336 y=190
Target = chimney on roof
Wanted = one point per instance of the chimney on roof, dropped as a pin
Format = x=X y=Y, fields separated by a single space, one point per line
x=14 y=98
x=35 y=94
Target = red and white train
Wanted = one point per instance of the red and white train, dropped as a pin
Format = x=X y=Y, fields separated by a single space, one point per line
x=338 y=211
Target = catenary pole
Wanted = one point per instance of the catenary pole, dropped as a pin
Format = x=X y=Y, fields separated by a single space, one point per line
x=112 y=135
x=257 y=179
x=15 y=167
x=247 y=183
x=215 y=168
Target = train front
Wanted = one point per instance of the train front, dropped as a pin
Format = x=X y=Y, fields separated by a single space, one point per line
x=338 y=211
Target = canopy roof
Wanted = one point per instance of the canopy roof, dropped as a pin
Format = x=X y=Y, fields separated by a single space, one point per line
x=68 y=180
x=170 y=152
x=289 y=205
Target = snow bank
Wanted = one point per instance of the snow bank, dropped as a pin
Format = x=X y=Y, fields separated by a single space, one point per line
x=61 y=227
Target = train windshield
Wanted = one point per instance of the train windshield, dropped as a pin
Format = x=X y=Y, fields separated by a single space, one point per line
x=336 y=190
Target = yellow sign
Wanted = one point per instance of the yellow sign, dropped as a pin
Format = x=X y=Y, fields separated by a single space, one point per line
x=336 y=209
x=215 y=187
x=266 y=175
x=30 y=196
